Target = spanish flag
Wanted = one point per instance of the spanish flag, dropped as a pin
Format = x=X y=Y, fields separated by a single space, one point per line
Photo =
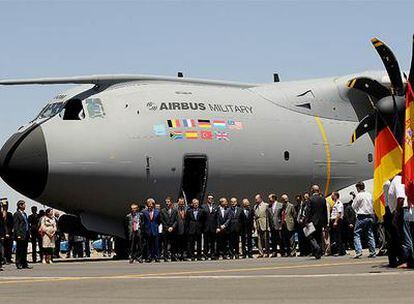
x=387 y=162
x=408 y=165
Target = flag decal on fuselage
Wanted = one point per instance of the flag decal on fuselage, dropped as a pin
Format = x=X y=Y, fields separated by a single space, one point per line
x=198 y=129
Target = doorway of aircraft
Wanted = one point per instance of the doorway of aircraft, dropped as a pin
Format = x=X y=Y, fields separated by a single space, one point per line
x=194 y=178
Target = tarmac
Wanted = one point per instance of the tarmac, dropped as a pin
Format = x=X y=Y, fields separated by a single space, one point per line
x=268 y=280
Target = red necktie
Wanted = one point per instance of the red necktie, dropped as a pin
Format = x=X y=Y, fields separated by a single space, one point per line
x=284 y=216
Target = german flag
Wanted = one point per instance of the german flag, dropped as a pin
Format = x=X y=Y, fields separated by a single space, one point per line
x=387 y=162
x=408 y=165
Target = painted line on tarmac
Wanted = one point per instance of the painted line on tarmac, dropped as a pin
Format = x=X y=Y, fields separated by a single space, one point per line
x=325 y=275
x=194 y=272
x=277 y=276
x=20 y=280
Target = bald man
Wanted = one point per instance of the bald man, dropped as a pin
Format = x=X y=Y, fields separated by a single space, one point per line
x=194 y=223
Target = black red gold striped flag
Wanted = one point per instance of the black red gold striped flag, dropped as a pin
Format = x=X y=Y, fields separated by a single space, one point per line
x=387 y=162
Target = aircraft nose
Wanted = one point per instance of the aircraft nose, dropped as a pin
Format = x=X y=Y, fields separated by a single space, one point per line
x=24 y=162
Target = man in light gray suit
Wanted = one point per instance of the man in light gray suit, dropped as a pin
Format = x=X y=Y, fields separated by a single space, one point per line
x=261 y=218
x=288 y=226
x=275 y=224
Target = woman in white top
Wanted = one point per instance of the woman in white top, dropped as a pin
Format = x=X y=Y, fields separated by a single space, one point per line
x=48 y=228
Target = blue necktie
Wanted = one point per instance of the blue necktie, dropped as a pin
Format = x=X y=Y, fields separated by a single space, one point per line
x=26 y=221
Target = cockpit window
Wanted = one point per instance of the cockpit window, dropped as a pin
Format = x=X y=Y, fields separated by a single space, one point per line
x=94 y=107
x=50 y=110
x=73 y=110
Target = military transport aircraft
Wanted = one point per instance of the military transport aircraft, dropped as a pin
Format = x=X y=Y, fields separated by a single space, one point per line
x=116 y=139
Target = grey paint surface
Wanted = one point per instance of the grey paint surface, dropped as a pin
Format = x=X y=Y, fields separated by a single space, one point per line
x=281 y=280
x=98 y=165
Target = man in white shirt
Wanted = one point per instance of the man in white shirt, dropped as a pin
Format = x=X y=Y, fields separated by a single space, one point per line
x=399 y=206
x=337 y=214
x=391 y=231
x=364 y=210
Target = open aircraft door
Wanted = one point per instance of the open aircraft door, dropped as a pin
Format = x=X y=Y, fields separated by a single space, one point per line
x=194 y=178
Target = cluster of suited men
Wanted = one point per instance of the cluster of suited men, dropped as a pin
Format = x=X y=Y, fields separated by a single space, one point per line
x=181 y=231
x=225 y=229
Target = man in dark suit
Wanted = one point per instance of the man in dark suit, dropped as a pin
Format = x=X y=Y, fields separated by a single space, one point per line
x=317 y=214
x=210 y=225
x=35 y=238
x=181 y=236
x=224 y=215
x=194 y=223
x=275 y=222
x=236 y=226
x=134 y=226
x=169 y=220
x=21 y=235
x=8 y=240
x=247 y=230
x=151 y=222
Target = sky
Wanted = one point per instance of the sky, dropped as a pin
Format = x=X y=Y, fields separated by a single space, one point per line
x=231 y=40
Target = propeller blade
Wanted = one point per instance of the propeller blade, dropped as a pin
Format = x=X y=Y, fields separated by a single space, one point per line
x=365 y=125
x=411 y=76
x=369 y=86
x=391 y=65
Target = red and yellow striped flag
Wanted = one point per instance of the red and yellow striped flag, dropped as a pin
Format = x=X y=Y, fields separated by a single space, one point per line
x=408 y=165
x=387 y=163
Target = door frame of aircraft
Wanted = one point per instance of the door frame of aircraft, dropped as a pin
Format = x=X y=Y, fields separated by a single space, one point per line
x=194 y=175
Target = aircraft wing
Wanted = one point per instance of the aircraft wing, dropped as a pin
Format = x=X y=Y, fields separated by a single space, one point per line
x=115 y=79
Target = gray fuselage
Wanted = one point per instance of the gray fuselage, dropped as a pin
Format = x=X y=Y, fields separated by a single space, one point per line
x=286 y=137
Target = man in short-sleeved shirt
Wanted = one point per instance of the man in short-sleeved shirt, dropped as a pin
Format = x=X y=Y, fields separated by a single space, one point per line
x=396 y=191
x=337 y=208
x=364 y=210
x=337 y=214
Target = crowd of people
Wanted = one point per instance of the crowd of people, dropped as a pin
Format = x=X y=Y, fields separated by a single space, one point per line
x=309 y=225
x=40 y=229
x=229 y=229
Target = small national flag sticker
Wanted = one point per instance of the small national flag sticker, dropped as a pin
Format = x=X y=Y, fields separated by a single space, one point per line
x=191 y=134
x=223 y=136
x=235 y=125
x=174 y=123
x=206 y=135
x=204 y=123
x=188 y=123
x=176 y=135
x=160 y=130
x=221 y=124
